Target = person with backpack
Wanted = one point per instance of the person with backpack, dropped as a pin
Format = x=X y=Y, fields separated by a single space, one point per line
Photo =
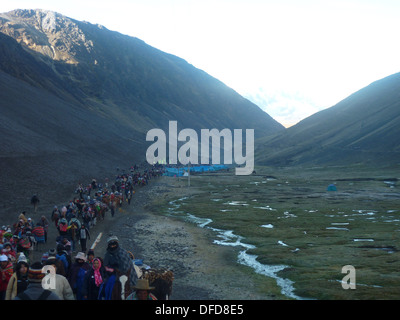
x=35 y=290
x=86 y=217
x=39 y=233
x=55 y=215
x=45 y=224
x=27 y=243
x=74 y=227
x=83 y=235
x=63 y=227
x=63 y=257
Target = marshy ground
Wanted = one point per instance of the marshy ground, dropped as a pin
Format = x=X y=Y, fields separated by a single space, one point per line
x=292 y=237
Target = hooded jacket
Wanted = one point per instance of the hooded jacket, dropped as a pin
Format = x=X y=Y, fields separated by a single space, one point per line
x=120 y=259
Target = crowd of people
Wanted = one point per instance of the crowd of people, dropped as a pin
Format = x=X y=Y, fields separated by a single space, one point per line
x=78 y=272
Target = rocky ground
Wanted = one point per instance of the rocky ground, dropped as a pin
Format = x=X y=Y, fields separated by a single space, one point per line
x=202 y=270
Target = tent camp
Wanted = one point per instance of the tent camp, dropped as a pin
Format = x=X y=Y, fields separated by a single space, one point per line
x=179 y=172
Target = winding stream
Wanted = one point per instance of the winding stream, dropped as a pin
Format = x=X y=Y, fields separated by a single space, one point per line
x=228 y=238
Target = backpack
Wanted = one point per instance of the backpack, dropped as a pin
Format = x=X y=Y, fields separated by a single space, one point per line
x=38 y=232
x=64 y=259
x=63 y=227
x=24 y=243
x=44 y=295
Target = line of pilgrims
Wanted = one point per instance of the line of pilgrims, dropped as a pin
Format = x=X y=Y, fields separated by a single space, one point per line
x=80 y=276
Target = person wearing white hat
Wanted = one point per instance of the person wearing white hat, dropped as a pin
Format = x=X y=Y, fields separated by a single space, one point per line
x=29 y=224
x=22 y=257
x=77 y=275
x=3 y=258
x=9 y=252
x=81 y=256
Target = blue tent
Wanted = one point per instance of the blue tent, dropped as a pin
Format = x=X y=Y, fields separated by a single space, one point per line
x=331 y=187
x=172 y=172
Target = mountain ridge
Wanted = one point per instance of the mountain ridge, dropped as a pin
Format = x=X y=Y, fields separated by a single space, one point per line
x=76 y=101
x=126 y=70
x=362 y=128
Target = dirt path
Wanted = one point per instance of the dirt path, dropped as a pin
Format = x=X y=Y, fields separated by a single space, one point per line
x=202 y=270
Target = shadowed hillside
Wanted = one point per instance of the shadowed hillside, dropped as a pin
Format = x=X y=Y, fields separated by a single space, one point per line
x=77 y=100
x=363 y=128
x=117 y=73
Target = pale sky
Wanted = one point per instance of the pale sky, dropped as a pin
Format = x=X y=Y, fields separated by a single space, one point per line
x=292 y=58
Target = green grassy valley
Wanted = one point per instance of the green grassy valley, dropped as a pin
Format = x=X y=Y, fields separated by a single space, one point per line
x=287 y=217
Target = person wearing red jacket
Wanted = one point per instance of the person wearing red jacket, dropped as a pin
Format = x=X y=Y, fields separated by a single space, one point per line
x=6 y=271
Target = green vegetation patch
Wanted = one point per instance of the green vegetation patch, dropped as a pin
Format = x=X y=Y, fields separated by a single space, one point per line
x=291 y=219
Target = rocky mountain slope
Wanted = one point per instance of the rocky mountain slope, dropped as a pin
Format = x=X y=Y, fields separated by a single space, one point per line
x=76 y=100
x=114 y=72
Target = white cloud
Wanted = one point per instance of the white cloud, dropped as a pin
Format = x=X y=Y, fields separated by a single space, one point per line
x=288 y=108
